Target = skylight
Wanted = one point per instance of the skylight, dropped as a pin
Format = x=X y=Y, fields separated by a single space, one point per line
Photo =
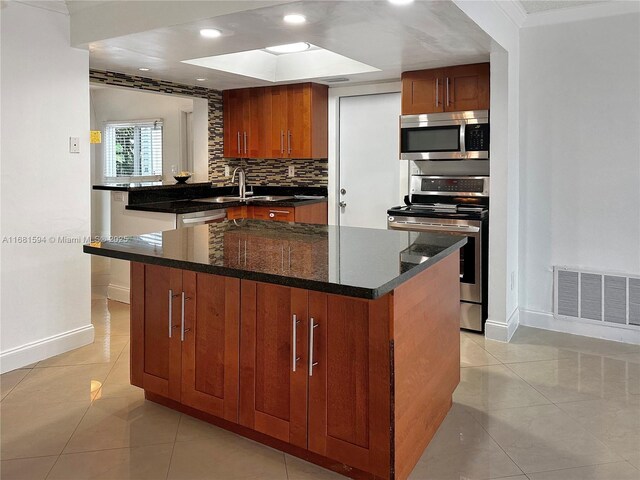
x=313 y=62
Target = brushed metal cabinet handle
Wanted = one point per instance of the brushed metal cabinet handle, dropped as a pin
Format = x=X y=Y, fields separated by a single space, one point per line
x=288 y=141
x=437 y=91
x=295 y=358
x=312 y=327
x=280 y=211
x=282 y=142
x=448 y=99
x=170 y=311
x=182 y=329
x=239 y=150
x=245 y=143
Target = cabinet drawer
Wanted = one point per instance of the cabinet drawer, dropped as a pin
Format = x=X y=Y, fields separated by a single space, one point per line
x=279 y=214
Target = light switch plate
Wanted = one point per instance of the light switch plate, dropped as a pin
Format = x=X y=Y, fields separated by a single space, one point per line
x=292 y=171
x=74 y=144
x=227 y=171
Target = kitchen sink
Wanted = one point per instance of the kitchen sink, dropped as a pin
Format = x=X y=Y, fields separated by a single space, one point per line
x=218 y=199
x=257 y=198
x=269 y=198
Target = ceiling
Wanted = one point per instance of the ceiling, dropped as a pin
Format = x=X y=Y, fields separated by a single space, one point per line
x=536 y=6
x=388 y=37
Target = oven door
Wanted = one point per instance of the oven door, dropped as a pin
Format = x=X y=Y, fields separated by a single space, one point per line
x=470 y=254
x=423 y=140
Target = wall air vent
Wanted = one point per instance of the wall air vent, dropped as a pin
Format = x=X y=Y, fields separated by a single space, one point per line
x=335 y=80
x=597 y=297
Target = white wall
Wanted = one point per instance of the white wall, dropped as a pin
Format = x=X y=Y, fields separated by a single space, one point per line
x=505 y=164
x=114 y=104
x=580 y=155
x=45 y=189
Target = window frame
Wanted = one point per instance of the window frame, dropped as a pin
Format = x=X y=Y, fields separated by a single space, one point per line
x=131 y=178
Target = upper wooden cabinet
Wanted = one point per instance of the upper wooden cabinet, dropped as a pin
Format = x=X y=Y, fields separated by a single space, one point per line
x=451 y=89
x=286 y=121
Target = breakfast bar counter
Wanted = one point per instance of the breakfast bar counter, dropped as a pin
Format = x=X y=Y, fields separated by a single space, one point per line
x=338 y=345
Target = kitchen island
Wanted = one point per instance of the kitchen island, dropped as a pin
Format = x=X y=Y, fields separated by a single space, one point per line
x=338 y=345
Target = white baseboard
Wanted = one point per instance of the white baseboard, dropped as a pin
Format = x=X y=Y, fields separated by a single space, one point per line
x=502 y=332
x=610 y=331
x=48 y=347
x=118 y=293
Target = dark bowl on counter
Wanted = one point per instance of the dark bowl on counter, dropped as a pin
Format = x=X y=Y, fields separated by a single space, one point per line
x=182 y=178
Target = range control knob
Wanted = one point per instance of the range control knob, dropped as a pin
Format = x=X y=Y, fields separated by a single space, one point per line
x=391 y=219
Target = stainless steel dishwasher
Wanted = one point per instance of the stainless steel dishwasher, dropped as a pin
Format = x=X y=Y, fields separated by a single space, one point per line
x=200 y=218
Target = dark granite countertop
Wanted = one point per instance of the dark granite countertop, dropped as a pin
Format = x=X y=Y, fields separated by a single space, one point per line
x=356 y=262
x=189 y=206
x=142 y=186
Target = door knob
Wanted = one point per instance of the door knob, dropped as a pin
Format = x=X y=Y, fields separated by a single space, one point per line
x=343 y=191
x=342 y=204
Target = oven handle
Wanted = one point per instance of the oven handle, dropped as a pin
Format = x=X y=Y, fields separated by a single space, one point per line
x=433 y=228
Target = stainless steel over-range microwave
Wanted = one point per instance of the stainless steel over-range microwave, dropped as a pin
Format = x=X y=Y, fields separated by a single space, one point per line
x=445 y=136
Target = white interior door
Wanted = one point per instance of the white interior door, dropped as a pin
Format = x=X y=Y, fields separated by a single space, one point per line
x=371 y=178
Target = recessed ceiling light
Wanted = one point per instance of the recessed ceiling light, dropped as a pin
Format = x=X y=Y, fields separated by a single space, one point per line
x=144 y=69
x=210 y=32
x=400 y=2
x=200 y=79
x=295 y=19
x=289 y=48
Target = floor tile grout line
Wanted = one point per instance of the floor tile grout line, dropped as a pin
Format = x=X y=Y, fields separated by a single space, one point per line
x=173 y=448
x=538 y=391
x=82 y=418
x=19 y=382
x=497 y=443
x=286 y=467
x=580 y=466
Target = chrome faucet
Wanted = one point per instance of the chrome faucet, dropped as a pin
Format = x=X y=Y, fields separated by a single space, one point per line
x=242 y=186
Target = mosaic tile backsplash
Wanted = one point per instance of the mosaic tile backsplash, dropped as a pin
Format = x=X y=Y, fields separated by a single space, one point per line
x=269 y=171
x=308 y=173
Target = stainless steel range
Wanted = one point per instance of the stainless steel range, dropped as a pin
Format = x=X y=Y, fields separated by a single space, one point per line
x=453 y=205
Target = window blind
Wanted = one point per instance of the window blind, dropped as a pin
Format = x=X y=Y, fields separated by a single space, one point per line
x=133 y=148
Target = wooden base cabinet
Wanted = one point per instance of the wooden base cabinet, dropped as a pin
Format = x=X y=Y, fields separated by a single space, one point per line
x=313 y=213
x=358 y=386
x=184 y=337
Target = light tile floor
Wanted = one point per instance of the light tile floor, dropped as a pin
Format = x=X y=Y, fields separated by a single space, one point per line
x=547 y=406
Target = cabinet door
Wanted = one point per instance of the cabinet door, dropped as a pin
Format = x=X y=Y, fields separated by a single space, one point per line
x=273 y=385
x=276 y=122
x=210 y=344
x=423 y=92
x=349 y=388
x=233 y=114
x=254 y=135
x=298 y=138
x=155 y=329
x=467 y=87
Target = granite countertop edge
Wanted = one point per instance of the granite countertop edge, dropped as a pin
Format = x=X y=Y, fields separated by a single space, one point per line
x=307 y=284
x=174 y=207
x=130 y=188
